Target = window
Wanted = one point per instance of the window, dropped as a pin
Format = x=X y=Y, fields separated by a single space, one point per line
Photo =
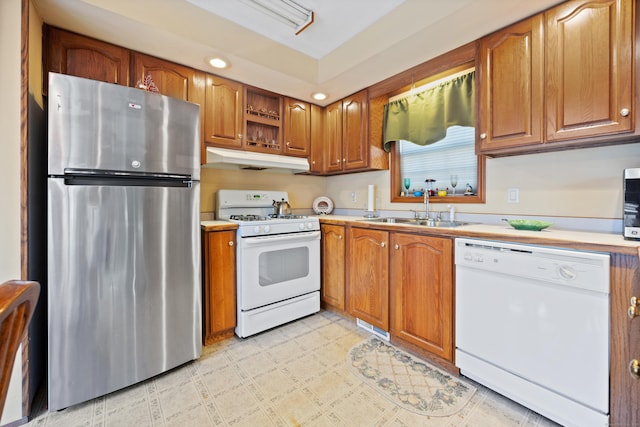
x=453 y=155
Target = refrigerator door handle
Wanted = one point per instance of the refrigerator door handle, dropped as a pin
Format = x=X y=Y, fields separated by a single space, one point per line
x=119 y=178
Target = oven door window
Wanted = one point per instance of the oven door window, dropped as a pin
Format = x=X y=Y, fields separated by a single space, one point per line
x=283 y=265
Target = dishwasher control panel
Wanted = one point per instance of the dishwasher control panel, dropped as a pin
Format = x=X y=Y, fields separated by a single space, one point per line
x=581 y=269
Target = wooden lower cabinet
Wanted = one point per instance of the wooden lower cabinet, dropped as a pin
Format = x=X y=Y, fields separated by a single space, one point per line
x=403 y=283
x=421 y=292
x=368 y=276
x=219 y=285
x=333 y=244
x=625 y=342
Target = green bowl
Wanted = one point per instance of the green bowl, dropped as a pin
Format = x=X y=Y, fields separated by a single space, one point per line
x=529 y=224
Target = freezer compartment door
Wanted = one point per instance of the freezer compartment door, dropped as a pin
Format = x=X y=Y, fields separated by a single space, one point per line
x=124 y=286
x=101 y=126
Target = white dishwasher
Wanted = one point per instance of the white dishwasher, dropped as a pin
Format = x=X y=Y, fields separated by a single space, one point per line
x=532 y=323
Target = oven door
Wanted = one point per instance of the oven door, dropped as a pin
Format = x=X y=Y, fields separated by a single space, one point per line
x=276 y=268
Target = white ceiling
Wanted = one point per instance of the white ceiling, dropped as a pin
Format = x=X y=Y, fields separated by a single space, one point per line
x=351 y=44
x=335 y=21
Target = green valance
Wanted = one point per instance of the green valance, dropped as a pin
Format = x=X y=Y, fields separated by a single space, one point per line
x=423 y=118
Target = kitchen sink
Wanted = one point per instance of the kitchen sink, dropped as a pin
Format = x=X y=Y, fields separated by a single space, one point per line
x=437 y=223
x=393 y=220
x=417 y=221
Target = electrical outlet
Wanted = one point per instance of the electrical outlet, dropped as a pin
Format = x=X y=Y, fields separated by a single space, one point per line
x=353 y=197
x=513 y=195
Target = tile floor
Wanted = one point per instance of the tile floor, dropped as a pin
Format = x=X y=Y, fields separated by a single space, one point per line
x=294 y=375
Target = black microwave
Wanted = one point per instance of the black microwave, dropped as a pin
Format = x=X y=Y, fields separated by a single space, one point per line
x=631 y=208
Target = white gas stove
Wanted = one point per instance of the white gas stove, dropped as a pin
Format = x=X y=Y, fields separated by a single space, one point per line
x=278 y=260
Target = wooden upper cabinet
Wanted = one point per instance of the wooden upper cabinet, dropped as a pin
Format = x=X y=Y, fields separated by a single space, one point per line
x=511 y=64
x=76 y=55
x=355 y=131
x=223 y=112
x=297 y=128
x=347 y=134
x=589 y=68
x=316 y=155
x=171 y=79
x=262 y=121
x=333 y=137
x=368 y=276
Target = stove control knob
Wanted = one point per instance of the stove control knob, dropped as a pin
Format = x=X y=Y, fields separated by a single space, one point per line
x=310 y=225
x=256 y=229
x=267 y=228
x=301 y=226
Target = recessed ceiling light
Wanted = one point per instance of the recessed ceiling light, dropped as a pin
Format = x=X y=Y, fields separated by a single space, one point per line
x=218 y=63
x=319 y=96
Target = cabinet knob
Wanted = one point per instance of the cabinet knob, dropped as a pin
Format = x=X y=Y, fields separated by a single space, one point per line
x=634 y=369
x=397 y=246
x=383 y=244
x=483 y=135
x=339 y=236
x=338 y=160
x=239 y=136
x=624 y=112
x=313 y=162
x=344 y=160
x=288 y=143
x=633 y=307
x=231 y=243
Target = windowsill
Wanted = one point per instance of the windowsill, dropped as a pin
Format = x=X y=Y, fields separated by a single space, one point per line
x=458 y=198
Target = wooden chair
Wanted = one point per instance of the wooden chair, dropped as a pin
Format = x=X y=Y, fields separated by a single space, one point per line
x=17 y=301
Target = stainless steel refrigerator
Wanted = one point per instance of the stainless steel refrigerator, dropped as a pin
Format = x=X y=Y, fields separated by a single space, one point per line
x=124 y=289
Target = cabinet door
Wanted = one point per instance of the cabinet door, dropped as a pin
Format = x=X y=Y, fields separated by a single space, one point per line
x=333 y=137
x=317 y=155
x=421 y=277
x=333 y=265
x=625 y=341
x=589 y=68
x=511 y=63
x=368 y=276
x=355 y=131
x=223 y=112
x=76 y=55
x=297 y=128
x=171 y=79
x=219 y=302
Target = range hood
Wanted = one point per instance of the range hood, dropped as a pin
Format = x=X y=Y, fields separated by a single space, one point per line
x=252 y=160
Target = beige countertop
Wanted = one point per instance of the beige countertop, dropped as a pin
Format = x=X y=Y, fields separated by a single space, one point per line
x=582 y=240
x=217 y=225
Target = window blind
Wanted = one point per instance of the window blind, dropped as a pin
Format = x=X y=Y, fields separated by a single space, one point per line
x=453 y=155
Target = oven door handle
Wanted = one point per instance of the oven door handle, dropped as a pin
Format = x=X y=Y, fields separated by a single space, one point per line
x=306 y=236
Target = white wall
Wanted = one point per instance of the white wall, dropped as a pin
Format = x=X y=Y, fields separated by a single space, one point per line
x=585 y=183
x=302 y=189
x=10 y=19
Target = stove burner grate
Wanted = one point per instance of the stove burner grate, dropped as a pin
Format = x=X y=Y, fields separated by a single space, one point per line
x=276 y=216
x=247 y=217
